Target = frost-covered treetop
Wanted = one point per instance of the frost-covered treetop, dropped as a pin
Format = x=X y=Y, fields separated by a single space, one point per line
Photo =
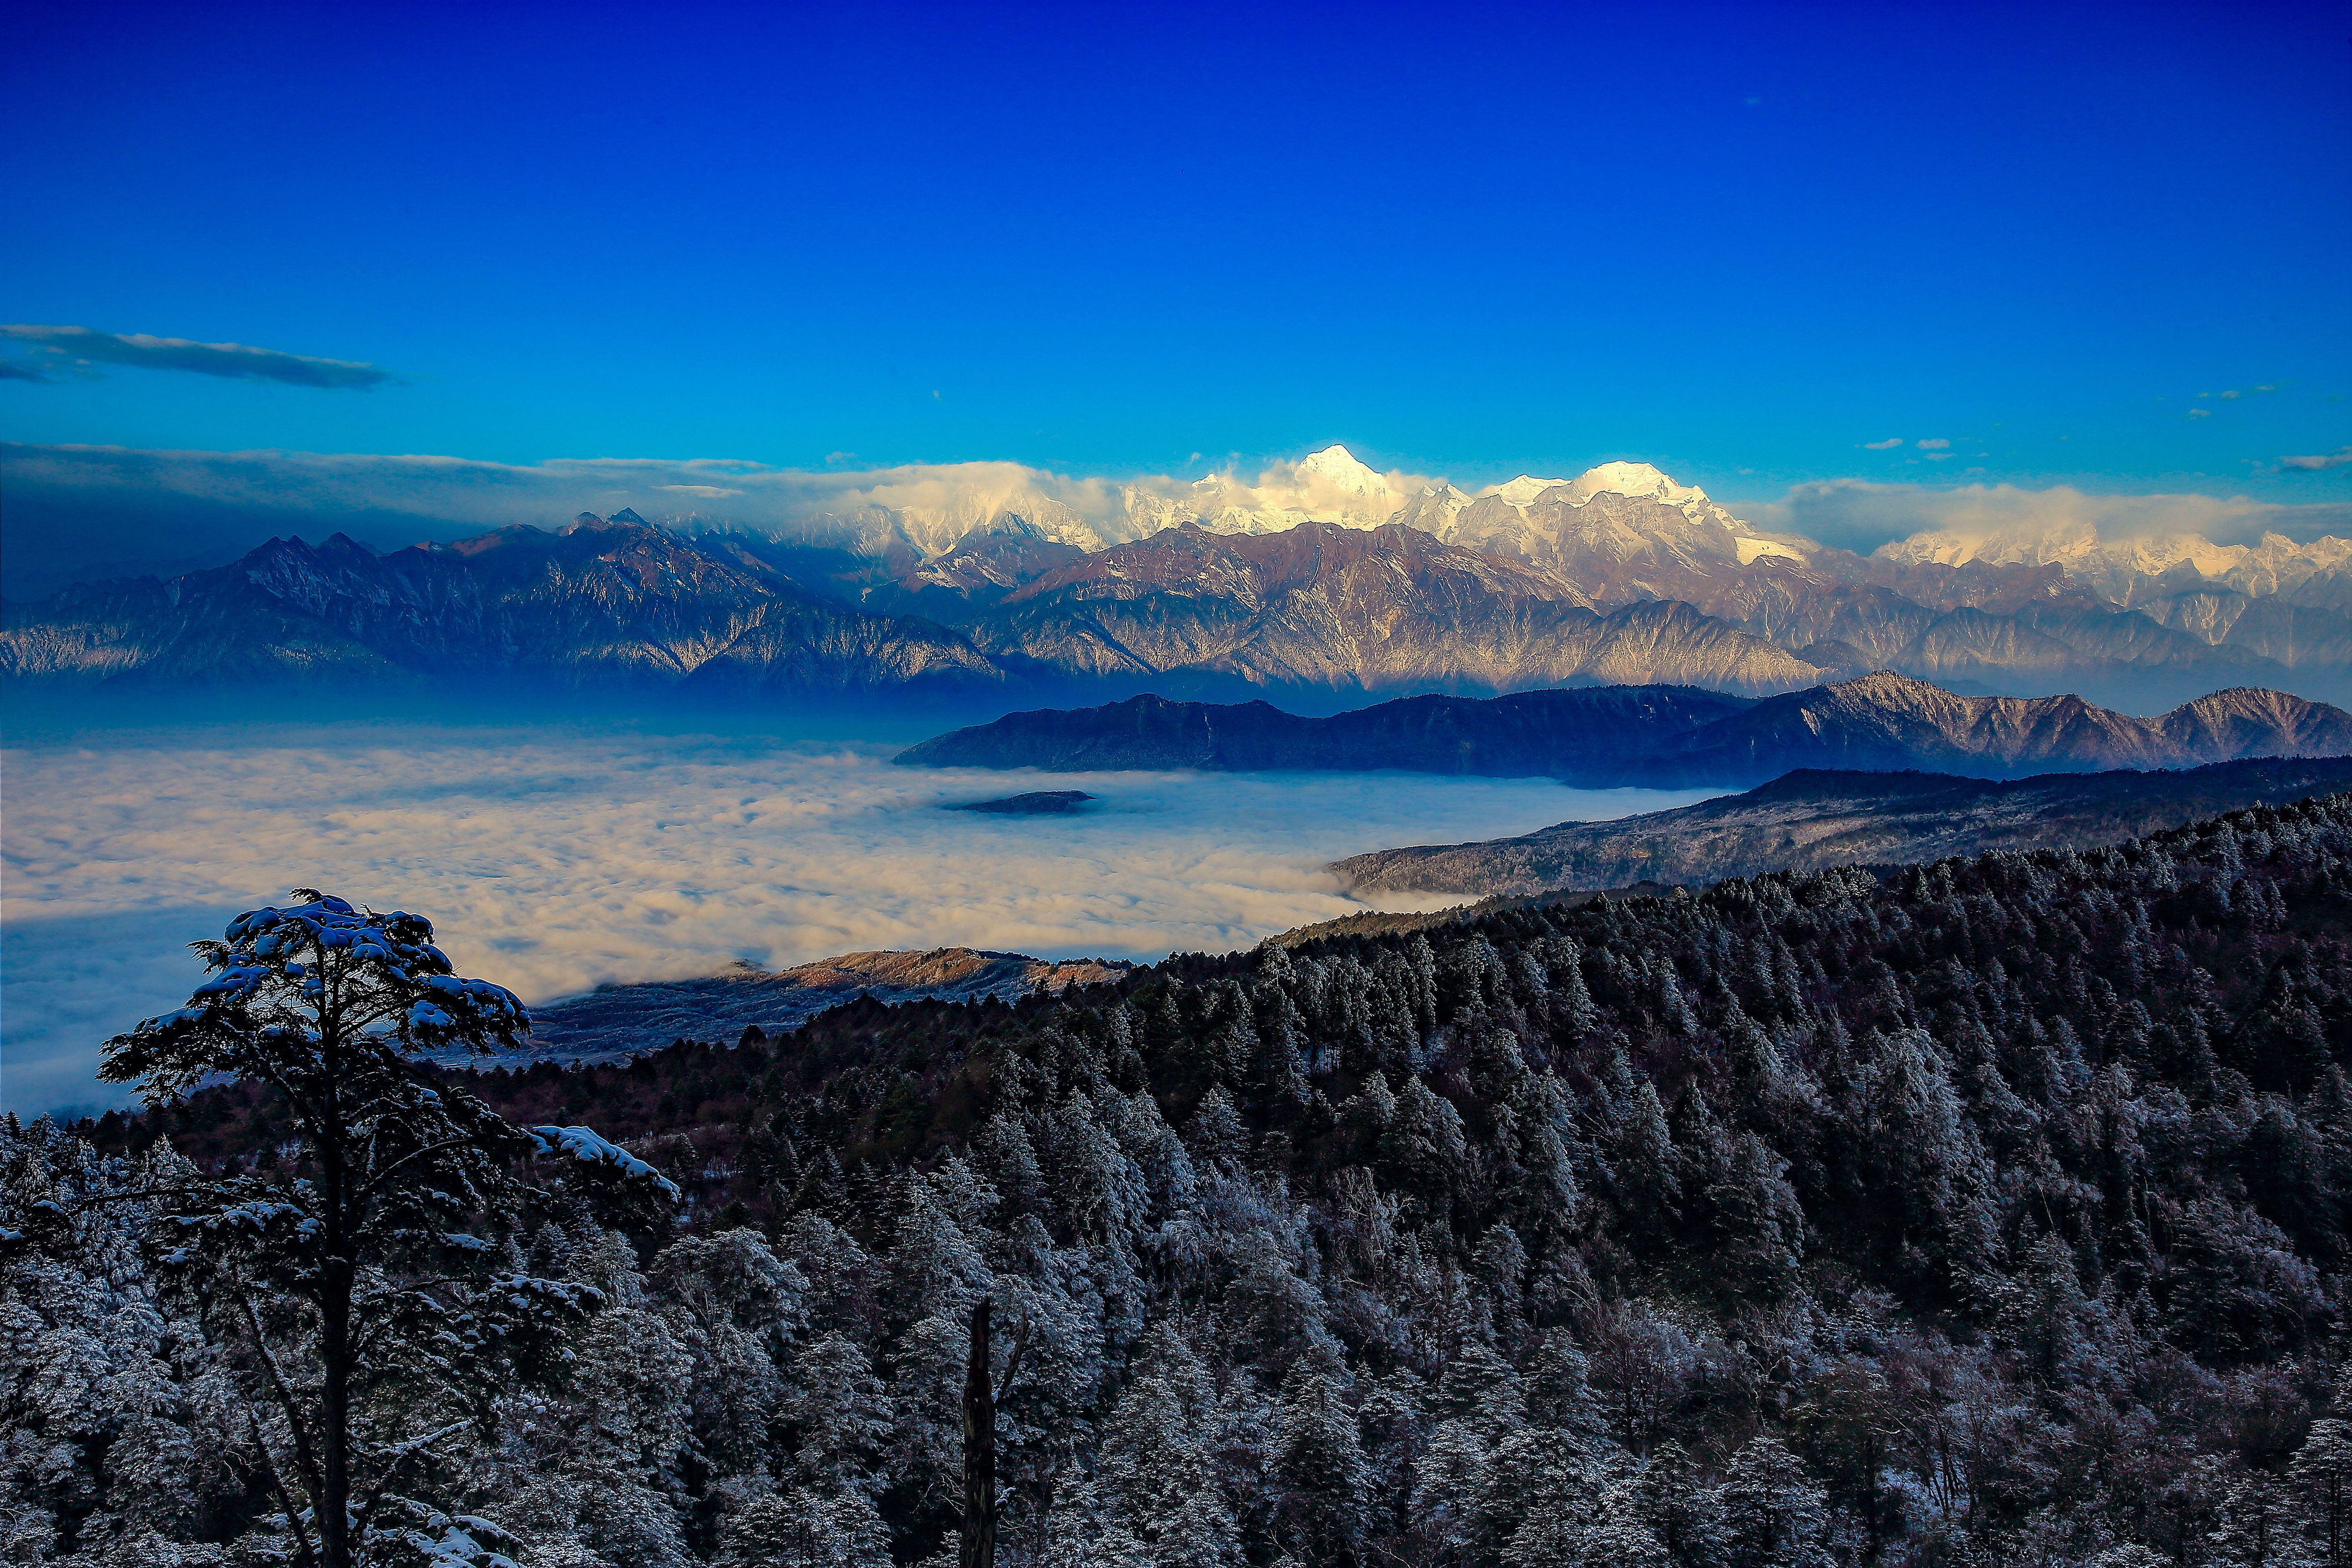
x=307 y=988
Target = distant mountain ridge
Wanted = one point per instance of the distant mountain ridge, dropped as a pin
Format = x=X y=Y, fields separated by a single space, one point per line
x=1813 y=819
x=1527 y=735
x=1663 y=737
x=1322 y=581
x=1322 y=606
x=616 y=604
x=1885 y=722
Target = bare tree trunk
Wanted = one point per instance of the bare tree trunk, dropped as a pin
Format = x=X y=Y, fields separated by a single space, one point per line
x=979 y=1450
x=337 y=1278
x=335 y=1415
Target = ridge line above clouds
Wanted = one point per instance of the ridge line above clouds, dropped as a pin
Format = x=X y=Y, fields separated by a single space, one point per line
x=87 y=511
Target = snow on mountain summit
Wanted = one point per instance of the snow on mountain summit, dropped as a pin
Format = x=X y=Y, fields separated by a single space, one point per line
x=1522 y=491
x=1337 y=468
x=1638 y=481
x=1634 y=481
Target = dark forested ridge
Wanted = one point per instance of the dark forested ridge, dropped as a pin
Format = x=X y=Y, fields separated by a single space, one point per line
x=1661 y=735
x=1569 y=733
x=1991 y=1211
x=1812 y=819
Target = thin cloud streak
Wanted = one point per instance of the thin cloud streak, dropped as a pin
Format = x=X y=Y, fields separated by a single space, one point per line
x=554 y=859
x=236 y=361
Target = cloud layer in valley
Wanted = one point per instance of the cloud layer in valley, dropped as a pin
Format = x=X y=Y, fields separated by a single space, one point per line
x=59 y=350
x=555 y=859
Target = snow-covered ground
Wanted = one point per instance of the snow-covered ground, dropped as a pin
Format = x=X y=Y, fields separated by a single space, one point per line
x=554 y=858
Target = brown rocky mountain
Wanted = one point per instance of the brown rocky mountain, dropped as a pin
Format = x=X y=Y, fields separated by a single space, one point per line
x=974 y=574
x=1993 y=629
x=1320 y=607
x=600 y=605
x=1887 y=721
x=1625 y=533
x=607 y=604
x=1811 y=819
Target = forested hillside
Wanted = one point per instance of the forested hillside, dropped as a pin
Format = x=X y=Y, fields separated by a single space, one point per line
x=1991 y=1213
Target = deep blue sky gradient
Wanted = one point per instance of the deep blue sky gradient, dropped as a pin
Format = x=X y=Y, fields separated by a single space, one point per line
x=1739 y=242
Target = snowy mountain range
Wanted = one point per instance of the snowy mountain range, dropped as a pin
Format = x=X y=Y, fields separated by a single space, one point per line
x=1324 y=575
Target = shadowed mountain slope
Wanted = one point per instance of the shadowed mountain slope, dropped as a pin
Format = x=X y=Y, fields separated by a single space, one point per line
x=601 y=604
x=1813 y=819
x=1660 y=736
x=1521 y=735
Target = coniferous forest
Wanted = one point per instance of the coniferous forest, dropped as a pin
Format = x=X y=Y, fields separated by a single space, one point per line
x=1988 y=1212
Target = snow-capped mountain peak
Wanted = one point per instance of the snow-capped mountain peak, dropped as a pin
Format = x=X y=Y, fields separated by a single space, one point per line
x=1622 y=527
x=1522 y=491
x=1337 y=468
x=1640 y=481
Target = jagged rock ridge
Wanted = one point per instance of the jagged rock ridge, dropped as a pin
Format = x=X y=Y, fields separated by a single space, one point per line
x=1886 y=721
x=618 y=604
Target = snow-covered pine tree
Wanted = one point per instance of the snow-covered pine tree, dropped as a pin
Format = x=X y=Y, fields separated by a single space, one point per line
x=379 y=1309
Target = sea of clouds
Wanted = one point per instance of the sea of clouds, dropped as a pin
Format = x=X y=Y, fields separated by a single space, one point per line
x=554 y=858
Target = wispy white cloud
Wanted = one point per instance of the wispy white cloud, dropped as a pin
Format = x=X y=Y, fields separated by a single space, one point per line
x=1934 y=443
x=60 y=346
x=1886 y=445
x=1858 y=515
x=554 y=859
x=2338 y=458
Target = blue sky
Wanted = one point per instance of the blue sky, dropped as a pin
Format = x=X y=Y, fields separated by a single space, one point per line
x=1742 y=243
